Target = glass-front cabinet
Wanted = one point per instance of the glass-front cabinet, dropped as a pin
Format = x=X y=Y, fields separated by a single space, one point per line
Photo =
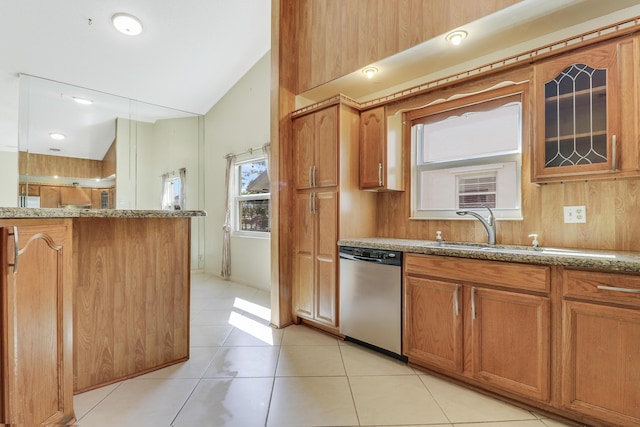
x=579 y=113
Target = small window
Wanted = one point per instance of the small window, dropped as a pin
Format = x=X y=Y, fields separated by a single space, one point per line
x=477 y=191
x=467 y=158
x=171 y=195
x=252 y=198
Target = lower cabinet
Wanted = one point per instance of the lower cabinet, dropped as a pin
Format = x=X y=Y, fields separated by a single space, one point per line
x=315 y=266
x=37 y=366
x=601 y=342
x=500 y=338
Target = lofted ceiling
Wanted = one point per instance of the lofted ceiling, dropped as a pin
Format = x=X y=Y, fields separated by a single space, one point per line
x=189 y=55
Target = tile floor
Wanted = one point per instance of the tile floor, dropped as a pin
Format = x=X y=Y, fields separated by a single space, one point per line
x=243 y=373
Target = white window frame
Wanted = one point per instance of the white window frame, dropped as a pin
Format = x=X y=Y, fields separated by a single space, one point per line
x=238 y=198
x=497 y=161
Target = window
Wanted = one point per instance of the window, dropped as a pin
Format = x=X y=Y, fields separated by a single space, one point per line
x=252 y=198
x=173 y=193
x=468 y=157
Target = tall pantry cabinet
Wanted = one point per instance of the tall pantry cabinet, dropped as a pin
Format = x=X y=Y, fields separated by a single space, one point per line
x=328 y=206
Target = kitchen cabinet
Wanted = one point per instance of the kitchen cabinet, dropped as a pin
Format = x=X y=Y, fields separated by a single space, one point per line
x=601 y=336
x=316 y=269
x=36 y=304
x=327 y=205
x=380 y=150
x=477 y=319
x=315 y=142
x=49 y=196
x=585 y=125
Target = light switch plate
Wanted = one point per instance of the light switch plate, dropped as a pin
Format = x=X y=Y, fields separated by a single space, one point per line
x=575 y=214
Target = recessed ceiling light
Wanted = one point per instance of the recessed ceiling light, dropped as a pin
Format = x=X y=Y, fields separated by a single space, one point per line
x=57 y=136
x=127 y=24
x=369 y=71
x=456 y=37
x=82 y=101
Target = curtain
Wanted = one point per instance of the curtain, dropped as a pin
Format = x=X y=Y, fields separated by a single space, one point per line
x=226 y=228
x=183 y=193
x=266 y=149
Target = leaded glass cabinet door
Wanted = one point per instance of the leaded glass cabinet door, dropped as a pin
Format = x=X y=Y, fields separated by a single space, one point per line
x=577 y=115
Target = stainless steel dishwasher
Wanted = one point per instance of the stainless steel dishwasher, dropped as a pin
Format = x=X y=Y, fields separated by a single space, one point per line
x=371 y=298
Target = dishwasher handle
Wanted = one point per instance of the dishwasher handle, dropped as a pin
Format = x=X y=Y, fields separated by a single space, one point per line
x=359 y=258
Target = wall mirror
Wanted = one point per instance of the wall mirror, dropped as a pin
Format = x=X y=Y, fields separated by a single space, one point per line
x=81 y=148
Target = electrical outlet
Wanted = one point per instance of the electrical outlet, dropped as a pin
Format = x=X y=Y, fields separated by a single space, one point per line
x=575 y=214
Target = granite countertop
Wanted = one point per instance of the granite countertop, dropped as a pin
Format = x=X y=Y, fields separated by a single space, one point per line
x=10 y=213
x=581 y=258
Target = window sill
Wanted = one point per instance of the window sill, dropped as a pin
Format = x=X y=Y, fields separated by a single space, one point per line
x=252 y=234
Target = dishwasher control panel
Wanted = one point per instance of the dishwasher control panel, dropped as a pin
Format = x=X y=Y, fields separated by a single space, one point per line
x=382 y=256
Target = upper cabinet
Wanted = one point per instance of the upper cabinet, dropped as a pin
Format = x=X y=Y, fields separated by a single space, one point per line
x=315 y=144
x=380 y=150
x=584 y=121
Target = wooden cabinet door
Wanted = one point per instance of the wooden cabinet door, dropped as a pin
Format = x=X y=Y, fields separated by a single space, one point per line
x=326 y=140
x=37 y=351
x=577 y=114
x=511 y=341
x=304 y=150
x=304 y=255
x=601 y=362
x=372 y=148
x=326 y=296
x=49 y=197
x=433 y=323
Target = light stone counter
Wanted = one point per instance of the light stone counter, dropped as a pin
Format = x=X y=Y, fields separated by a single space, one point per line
x=11 y=213
x=580 y=258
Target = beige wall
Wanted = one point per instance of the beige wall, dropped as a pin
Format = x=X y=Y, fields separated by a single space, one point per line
x=9 y=178
x=239 y=121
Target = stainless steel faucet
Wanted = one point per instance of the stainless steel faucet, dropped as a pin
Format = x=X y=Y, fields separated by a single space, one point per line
x=489 y=223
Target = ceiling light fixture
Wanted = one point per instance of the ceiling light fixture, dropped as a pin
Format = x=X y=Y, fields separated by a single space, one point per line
x=369 y=71
x=82 y=101
x=57 y=136
x=127 y=24
x=456 y=37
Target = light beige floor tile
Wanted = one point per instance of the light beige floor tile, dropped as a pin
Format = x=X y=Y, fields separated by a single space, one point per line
x=208 y=335
x=244 y=362
x=553 y=423
x=84 y=402
x=304 y=335
x=212 y=317
x=310 y=360
x=251 y=334
x=386 y=400
x=141 y=403
x=199 y=360
x=227 y=402
x=359 y=360
x=237 y=290
x=466 y=406
x=528 y=423
x=311 y=401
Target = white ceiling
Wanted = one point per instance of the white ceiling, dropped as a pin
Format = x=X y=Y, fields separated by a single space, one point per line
x=189 y=55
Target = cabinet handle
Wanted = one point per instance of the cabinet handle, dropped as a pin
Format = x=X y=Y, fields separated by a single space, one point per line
x=456 y=305
x=614 y=151
x=315 y=201
x=310 y=203
x=15 y=250
x=613 y=288
x=473 y=303
x=380 y=174
x=313 y=180
x=310 y=176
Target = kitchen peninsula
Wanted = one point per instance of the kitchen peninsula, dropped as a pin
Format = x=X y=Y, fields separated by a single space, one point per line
x=89 y=297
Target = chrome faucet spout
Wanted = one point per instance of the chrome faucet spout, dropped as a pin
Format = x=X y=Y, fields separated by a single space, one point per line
x=488 y=223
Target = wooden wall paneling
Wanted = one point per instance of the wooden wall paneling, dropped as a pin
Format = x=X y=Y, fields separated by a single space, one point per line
x=370 y=30
x=285 y=67
x=44 y=165
x=131 y=297
x=109 y=161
